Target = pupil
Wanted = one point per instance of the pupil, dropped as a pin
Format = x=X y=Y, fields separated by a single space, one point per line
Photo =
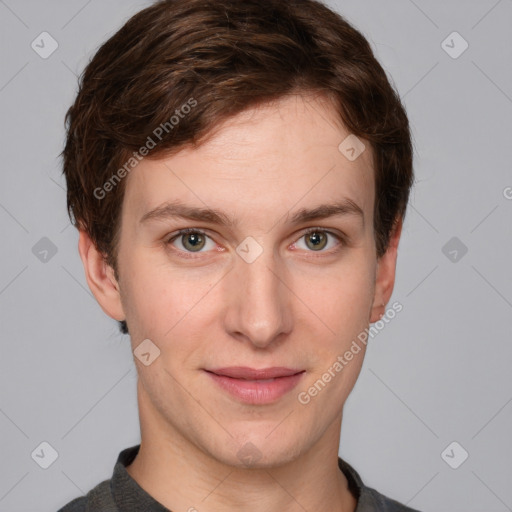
x=318 y=239
x=194 y=240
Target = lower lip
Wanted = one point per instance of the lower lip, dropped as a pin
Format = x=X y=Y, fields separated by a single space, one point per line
x=257 y=392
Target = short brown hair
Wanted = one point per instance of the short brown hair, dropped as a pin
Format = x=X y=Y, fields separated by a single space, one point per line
x=226 y=56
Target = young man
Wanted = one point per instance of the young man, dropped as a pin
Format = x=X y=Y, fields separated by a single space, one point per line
x=239 y=171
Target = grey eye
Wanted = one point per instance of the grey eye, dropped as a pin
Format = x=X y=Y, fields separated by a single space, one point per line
x=193 y=241
x=316 y=240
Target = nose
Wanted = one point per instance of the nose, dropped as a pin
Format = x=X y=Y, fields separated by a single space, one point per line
x=259 y=308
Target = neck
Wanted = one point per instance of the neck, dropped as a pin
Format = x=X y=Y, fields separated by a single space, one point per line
x=180 y=476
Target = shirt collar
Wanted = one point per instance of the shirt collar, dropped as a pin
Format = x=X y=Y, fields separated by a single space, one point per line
x=127 y=493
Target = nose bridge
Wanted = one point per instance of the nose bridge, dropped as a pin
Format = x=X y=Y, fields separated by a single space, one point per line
x=259 y=302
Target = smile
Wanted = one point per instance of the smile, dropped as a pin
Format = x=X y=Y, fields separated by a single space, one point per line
x=256 y=387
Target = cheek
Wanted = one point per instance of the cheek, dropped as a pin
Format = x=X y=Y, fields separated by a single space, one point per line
x=342 y=296
x=157 y=298
x=342 y=305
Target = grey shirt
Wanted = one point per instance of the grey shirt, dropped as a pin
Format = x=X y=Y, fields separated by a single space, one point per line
x=121 y=493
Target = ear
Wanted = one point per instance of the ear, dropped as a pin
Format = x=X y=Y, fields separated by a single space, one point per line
x=100 y=277
x=385 y=274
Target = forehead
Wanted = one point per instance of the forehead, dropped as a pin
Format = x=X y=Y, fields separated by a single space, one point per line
x=270 y=159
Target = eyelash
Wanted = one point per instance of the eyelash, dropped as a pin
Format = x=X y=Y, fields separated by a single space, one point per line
x=308 y=231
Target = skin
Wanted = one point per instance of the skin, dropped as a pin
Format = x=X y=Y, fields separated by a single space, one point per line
x=296 y=306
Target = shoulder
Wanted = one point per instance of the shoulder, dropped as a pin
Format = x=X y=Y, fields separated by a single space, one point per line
x=77 y=505
x=98 y=498
x=372 y=499
x=368 y=498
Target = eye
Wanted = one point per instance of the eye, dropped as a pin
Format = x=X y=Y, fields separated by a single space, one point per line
x=317 y=239
x=191 y=240
x=194 y=241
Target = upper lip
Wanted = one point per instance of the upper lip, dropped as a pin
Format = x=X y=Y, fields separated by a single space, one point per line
x=244 y=372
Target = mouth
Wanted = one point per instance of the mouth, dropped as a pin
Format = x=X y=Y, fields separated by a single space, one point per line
x=246 y=373
x=256 y=387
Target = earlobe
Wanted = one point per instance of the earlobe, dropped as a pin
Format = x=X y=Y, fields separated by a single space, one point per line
x=100 y=277
x=385 y=275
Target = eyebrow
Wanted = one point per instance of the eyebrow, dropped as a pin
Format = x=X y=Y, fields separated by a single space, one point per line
x=176 y=209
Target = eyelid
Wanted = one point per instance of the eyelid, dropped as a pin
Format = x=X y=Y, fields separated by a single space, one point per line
x=186 y=254
x=306 y=231
x=342 y=239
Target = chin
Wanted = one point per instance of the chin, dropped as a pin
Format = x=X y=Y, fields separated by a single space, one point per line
x=259 y=452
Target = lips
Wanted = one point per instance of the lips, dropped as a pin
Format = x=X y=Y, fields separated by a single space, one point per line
x=256 y=387
x=243 y=372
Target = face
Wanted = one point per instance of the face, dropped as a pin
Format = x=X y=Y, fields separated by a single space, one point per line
x=262 y=284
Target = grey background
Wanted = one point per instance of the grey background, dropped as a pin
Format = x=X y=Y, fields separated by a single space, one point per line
x=438 y=373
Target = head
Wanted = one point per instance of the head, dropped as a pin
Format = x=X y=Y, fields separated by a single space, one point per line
x=245 y=110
